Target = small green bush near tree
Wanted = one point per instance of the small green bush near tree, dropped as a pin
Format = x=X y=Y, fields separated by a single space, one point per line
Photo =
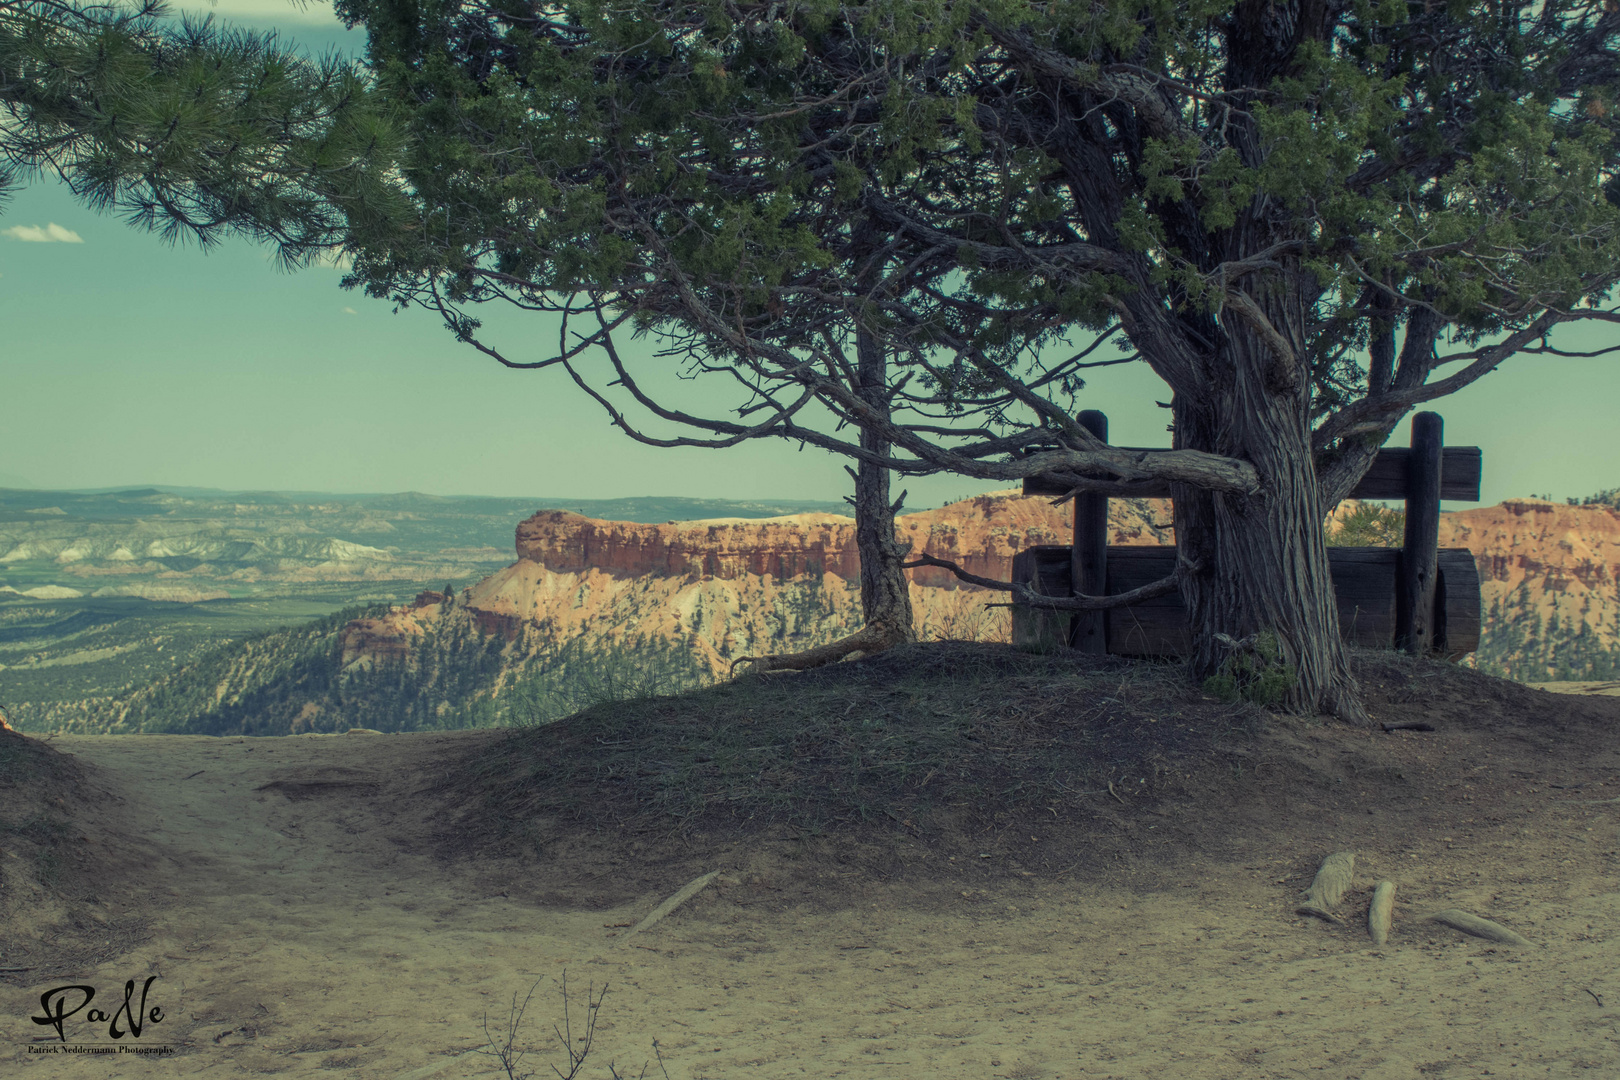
x=1370 y=525
x=1254 y=670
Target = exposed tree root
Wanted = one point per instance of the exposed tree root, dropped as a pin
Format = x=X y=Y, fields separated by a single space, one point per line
x=872 y=638
x=1344 y=703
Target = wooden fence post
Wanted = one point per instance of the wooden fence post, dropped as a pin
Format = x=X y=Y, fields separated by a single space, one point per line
x=1417 y=598
x=1088 y=567
x=1420 y=552
x=1041 y=630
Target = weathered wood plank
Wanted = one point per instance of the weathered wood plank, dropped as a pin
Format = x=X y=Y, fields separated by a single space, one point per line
x=1363 y=586
x=1458 y=618
x=1460 y=472
x=1157 y=627
x=1045 y=568
x=1420 y=568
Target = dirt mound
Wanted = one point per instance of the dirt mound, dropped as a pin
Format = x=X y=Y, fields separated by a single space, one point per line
x=954 y=764
x=70 y=863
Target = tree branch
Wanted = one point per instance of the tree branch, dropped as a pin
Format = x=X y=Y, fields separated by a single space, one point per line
x=1023 y=596
x=1379 y=410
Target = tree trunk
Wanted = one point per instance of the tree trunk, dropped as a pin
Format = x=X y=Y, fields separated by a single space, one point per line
x=885 y=591
x=1262 y=557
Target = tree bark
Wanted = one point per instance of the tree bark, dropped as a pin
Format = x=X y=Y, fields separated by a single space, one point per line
x=885 y=592
x=1262 y=556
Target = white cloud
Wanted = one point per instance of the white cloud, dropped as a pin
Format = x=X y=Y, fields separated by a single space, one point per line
x=50 y=234
x=312 y=13
x=350 y=311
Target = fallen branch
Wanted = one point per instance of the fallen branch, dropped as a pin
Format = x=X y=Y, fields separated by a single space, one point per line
x=1478 y=927
x=872 y=638
x=686 y=892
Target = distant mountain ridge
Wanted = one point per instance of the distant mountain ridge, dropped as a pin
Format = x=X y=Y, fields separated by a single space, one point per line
x=241 y=541
x=128 y=502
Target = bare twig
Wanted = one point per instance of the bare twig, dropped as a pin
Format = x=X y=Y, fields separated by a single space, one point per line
x=505 y=1049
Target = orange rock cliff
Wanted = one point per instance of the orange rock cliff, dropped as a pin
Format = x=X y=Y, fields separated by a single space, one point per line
x=733 y=587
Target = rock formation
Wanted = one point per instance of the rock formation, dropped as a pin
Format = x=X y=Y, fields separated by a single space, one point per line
x=737 y=587
x=1548 y=574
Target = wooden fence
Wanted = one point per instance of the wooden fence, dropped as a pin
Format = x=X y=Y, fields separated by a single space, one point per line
x=1418 y=597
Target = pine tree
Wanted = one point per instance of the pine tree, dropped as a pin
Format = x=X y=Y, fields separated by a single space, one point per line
x=871 y=220
x=192 y=130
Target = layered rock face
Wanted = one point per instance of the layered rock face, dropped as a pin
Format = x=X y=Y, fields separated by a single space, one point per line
x=1561 y=550
x=728 y=588
x=981 y=534
x=392 y=637
x=783 y=547
x=736 y=587
x=1548 y=575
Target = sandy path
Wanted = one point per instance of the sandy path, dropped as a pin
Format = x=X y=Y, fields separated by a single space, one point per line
x=307 y=930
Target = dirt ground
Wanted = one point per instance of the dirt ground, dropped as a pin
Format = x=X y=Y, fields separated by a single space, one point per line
x=1606 y=689
x=296 y=902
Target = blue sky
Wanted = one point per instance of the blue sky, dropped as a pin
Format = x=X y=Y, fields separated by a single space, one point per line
x=127 y=361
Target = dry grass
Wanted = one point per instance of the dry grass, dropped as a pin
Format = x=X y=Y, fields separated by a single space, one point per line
x=954 y=762
x=941 y=743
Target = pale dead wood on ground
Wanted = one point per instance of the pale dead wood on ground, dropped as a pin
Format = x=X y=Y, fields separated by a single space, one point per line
x=687 y=891
x=1328 y=887
x=1381 y=913
x=1478 y=927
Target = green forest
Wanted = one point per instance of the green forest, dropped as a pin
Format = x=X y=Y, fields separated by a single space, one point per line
x=291 y=681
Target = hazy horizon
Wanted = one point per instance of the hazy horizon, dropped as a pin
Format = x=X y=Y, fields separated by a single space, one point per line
x=192 y=489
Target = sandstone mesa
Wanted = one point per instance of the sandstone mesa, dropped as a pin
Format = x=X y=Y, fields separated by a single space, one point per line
x=736 y=587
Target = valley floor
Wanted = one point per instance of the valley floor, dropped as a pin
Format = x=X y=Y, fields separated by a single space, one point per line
x=305 y=922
